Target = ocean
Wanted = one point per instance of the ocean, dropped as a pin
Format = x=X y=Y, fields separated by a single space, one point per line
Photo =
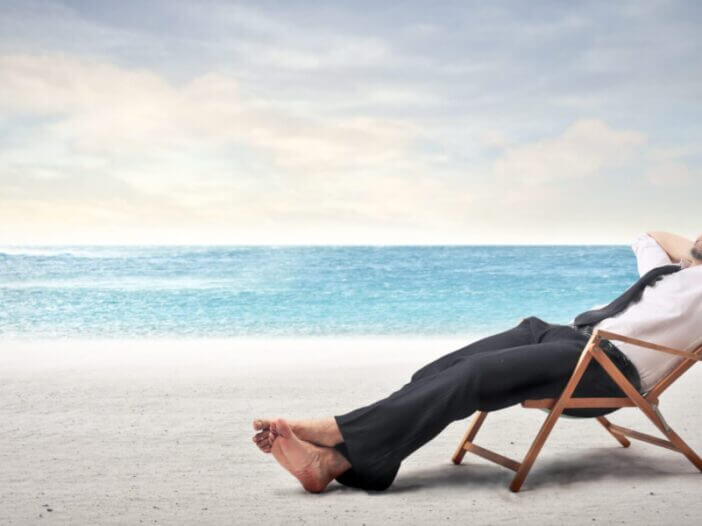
x=232 y=291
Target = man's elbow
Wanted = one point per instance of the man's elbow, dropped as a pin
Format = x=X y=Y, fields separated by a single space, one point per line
x=658 y=236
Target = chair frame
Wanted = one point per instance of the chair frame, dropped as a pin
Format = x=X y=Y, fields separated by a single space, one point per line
x=647 y=403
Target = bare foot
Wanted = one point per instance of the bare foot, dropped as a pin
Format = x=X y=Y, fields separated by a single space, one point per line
x=323 y=432
x=315 y=467
x=278 y=452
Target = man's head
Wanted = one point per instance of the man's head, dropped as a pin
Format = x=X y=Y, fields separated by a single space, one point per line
x=696 y=251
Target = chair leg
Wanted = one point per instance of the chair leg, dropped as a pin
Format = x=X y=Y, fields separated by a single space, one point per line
x=534 y=450
x=620 y=438
x=649 y=409
x=675 y=439
x=553 y=416
x=469 y=435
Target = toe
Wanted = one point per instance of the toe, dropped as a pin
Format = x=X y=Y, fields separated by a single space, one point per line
x=283 y=428
x=260 y=424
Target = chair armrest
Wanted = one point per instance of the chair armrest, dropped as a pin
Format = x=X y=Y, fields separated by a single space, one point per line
x=598 y=333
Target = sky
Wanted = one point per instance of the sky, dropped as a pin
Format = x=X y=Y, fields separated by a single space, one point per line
x=304 y=122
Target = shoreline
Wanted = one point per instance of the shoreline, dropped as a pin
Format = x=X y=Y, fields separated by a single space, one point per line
x=244 y=339
x=212 y=354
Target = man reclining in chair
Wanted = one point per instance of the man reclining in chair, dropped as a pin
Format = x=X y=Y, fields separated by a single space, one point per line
x=535 y=359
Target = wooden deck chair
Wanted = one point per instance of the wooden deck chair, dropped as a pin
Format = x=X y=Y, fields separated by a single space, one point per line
x=648 y=403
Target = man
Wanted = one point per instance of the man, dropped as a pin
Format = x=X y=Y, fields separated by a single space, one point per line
x=535 y=359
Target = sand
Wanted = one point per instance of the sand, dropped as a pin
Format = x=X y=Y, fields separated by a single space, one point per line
x=149 y=432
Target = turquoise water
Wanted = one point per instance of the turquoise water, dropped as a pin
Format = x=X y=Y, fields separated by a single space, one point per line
x=300 y=290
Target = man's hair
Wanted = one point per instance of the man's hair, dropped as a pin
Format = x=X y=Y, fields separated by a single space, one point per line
x=696 y=252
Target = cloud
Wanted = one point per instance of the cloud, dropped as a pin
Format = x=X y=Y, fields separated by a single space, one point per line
x=99 y=108
x=583 y=150
x=274 y=118
x=126 y=147
x=104 y=108
x=204 y=150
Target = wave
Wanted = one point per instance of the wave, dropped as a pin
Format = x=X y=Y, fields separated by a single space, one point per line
x=121 y=284
x=124 y=251
x=80 y=252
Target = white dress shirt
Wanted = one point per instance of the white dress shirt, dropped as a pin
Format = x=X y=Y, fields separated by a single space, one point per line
x=669 y=313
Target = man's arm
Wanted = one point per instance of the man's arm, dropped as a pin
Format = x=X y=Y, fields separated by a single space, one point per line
x=677 y=247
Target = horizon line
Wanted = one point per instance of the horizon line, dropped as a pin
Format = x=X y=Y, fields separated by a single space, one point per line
x=107 y=245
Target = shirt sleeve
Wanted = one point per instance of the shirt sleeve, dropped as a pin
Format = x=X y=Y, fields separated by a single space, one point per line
x=649 y=254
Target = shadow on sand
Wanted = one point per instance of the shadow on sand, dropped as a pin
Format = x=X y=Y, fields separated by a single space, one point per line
x=585 y=466
x=579 y=467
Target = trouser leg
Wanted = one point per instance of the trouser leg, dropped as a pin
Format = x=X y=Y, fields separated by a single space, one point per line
x=529 y=330
x=379 y=436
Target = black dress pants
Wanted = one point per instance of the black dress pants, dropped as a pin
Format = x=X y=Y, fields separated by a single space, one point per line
x=535 y=359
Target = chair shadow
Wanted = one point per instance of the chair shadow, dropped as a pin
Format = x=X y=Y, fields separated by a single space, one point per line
x=578 y=467
x=586 y=466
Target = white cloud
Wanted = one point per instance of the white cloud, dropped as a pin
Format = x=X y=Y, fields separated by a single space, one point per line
x=583 y=150
x=131 y=146
x=253 y=123
x=103 y=109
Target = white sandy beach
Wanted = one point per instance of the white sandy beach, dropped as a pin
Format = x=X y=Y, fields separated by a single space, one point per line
x=159 y=432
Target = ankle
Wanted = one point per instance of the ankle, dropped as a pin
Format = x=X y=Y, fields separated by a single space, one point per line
x=331 y=432
x=333 y=462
